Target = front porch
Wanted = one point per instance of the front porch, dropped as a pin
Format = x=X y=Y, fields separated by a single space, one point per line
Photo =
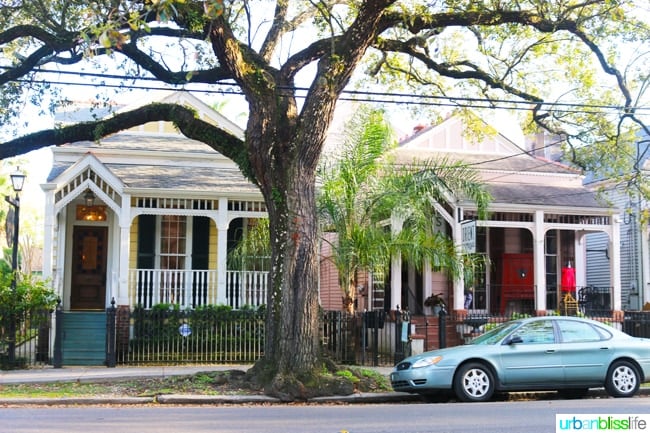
x=194 y=288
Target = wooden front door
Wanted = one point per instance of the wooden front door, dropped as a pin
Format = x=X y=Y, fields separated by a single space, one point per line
x=88 y=282
x=518 y=288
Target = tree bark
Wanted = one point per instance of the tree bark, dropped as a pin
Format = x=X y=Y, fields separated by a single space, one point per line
x=288 y=184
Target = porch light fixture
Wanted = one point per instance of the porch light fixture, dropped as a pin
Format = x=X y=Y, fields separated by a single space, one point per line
x=17 y=180
x=89 y=198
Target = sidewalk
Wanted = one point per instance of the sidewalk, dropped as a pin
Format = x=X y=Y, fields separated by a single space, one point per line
x=93 y=374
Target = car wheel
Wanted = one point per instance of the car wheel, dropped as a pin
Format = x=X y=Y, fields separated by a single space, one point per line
x=474 y=382
x=622 y=379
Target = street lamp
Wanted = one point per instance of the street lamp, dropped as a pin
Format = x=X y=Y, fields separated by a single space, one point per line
x=17 y=182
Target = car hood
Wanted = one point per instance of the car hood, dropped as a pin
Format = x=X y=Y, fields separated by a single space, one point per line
x=452 y=353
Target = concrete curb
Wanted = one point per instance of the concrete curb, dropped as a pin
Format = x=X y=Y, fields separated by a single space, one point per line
x=186 y=399
x=75 y=401
x=196 y=400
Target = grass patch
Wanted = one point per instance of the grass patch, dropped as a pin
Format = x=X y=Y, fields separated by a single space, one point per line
x=211 y=383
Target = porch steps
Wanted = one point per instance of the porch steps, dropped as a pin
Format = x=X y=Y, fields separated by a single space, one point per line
x=426 y=327
x=84 y=338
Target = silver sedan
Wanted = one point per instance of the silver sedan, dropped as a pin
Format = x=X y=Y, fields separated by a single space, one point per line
x=568 y=354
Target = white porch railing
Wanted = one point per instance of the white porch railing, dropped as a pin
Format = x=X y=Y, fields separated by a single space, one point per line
x=193 y=288
x=246 y=288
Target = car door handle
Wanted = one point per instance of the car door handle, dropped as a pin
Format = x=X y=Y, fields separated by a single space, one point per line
x=550 y=351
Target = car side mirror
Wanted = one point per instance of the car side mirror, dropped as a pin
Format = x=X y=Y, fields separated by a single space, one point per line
x=515 y=339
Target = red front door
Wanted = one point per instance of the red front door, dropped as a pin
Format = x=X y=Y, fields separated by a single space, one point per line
x=88 y=282
x=518 y=290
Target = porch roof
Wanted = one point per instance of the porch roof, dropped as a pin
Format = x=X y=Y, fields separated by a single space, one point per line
x=543 y=195
x=229 y=180
x=534 y=181
x=522 y=163
x=152 y=161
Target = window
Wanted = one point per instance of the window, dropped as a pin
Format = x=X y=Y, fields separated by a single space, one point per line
x=578 y=332
x=551 y=250
x=173 y=241
x=173 y=257
x=538 y=332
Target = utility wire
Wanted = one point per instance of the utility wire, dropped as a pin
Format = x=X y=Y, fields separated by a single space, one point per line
x=358 y=96
x=352 y=95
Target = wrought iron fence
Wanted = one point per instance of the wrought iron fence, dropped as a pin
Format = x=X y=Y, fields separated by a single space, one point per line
x=637 y=323
x=217 y=334
x=368 y=338
x=29 y=345
x=209 y=334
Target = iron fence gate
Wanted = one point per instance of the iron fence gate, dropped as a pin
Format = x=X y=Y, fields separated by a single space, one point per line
x=368 y=338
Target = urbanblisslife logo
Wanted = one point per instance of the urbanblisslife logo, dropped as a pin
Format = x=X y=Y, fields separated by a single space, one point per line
x=602 y=423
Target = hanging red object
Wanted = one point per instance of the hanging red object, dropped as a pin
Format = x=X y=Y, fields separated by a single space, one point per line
x=568 y=279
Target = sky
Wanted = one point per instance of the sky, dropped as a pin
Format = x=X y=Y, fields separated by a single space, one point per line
x=39 y=162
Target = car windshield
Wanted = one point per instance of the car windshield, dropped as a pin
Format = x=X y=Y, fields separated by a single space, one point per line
x=495 y=335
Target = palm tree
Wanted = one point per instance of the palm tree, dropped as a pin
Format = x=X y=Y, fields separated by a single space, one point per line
x=364 y=190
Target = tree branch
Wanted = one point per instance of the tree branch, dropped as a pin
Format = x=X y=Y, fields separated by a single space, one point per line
x=163 y=74
x=184 y=118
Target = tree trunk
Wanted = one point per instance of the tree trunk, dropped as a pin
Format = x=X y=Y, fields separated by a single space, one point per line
x=287 y=181
x=294 y=302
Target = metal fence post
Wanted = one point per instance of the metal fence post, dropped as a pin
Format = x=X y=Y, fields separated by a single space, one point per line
x=399 y=350
x=57 y=359
x=378 y=322
x=442 y=328
x=111 y=314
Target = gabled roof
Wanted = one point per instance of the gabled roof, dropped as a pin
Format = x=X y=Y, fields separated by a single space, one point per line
x=147 y=158
x=512 y=174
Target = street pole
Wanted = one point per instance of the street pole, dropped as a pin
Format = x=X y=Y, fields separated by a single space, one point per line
x=17 y=181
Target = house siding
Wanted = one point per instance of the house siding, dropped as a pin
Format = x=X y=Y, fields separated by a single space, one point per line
x=598 y=252
x=329 y=290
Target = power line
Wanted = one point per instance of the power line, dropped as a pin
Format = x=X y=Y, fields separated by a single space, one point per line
x=351 y=95
x=360 y=96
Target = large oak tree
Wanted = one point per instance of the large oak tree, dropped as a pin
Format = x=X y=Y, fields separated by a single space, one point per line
x=543 y=56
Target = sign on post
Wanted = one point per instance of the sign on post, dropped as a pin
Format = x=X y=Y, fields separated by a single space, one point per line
x=468 y=232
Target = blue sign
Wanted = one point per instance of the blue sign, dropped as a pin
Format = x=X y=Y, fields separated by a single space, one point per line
x=185 y=330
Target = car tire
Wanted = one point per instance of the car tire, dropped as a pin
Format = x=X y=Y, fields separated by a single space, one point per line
x=474 y=382
x=622 y=380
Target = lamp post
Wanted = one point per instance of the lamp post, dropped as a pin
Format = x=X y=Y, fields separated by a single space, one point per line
x=17 y=182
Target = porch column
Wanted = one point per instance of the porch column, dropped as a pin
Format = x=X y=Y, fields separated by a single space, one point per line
x=459 y=281
x=580 y=259
x=427 y=284
x=48 y=236
x=644 y=289
x=222 y=251
x=124 y=248
x=539 y=262
x=396 y=282
x=615 y=262
x=396 y=268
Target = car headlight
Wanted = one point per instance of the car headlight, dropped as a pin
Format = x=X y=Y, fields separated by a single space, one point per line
x=425 y=362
